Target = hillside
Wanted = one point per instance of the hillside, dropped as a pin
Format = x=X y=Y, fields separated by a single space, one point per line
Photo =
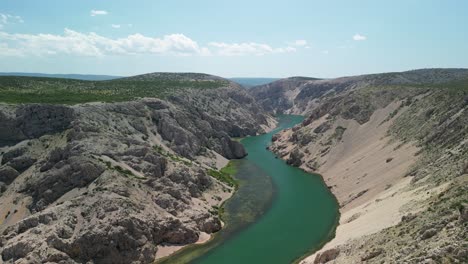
x=112 y=182
x=393 y=149
x=299 y=95
x=278 y=96
x=112 y=171
x=87 y=77
x=16 y=89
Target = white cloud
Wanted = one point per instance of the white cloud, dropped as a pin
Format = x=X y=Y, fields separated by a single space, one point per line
x=98 y=12
x=250 y=48
x=3 y=18
x=19 y=19
x=9 y=19
x=115 y=26
x=326 y=52
x=92 y=44
x=359 y=37
x=300 y=42
x=10 y=52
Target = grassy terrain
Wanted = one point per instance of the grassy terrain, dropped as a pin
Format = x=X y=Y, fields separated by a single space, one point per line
x=229 y=169
x=225 y=175
x=18 y=89
x=451 y=86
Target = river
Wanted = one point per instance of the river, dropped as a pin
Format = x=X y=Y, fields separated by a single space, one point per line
x=279 y=214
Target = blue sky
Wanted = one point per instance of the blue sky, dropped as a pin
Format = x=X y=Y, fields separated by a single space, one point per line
x=232 y=38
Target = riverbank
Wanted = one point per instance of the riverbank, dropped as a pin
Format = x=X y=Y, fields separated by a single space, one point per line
x=225 y=177
x=365 y=170
x=260 y=227
x=272 y=235
x=165 y=251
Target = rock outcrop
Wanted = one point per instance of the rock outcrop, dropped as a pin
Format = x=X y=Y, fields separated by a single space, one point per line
x=327 y=256
x=33 y=121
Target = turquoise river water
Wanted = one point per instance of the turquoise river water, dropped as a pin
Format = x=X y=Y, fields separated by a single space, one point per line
x=278 y=215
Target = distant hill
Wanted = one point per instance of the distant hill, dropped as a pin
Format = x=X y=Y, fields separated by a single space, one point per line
x=86 y=77
x=250 y=82
x=277 y=96
x=26 y=89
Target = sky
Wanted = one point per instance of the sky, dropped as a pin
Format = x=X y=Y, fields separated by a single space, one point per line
x=241 y=38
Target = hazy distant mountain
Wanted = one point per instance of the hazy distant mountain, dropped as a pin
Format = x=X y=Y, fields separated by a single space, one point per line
x=250 y=82
x=88 y=77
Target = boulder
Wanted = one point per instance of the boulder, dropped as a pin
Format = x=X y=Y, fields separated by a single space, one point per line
x=322 y=128
x=22 y=163
x=464 y=215
x=8 y=174
x=295 y=158
x=210 y=225
x=13 y=153
x=326 y=256
x=428 y=233
x=372 y=254
x=237 y=150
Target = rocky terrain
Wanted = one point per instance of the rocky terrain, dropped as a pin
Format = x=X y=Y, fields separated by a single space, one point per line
x=393 y=148
x=109 y=182
x=112 y=171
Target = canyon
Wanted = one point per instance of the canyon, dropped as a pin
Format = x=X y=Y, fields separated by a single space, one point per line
x=393 y=149
x=126 y=166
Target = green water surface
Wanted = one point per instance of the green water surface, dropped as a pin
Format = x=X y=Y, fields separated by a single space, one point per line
x=279 y=214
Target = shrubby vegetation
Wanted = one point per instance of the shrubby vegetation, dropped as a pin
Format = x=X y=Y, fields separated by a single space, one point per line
x=225 y=175
x=18 y=89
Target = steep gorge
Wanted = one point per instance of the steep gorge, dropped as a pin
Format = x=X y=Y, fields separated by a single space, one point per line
x=393 y=149
x=112 y=181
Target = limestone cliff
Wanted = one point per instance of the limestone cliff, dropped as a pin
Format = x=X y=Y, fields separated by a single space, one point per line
x=393 y=149
x=109 y=182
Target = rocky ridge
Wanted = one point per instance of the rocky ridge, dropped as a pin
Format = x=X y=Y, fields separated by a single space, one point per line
x=109 y=182
x=393 y=149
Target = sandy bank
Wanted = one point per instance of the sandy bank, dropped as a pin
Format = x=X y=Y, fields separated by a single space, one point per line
x=365 y=170
x=167 y=250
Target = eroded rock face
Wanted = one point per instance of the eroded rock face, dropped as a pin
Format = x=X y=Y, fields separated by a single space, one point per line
x=211 y=120
x=372 y=254
x=107 y=183
x=8 y=174
x=326 y=256
x=301 y=94
x=295 y=158
x=401 y=106
x=274 y=97
x=70 y=173
x=34 y=120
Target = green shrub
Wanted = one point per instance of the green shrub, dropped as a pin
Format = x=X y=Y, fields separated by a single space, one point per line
x=20 y=89
x=225 y=175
